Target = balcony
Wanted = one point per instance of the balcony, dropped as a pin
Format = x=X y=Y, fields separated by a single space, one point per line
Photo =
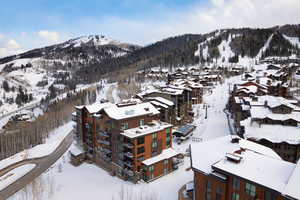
x=128 y=172
x=128 y=164
x=104 y=142
x=107 y=158
x=74 y=117
x=106 y=151
x=128 y=145
x=121 y=156
x=104 y=134
x=87 y=125
x=129 y=154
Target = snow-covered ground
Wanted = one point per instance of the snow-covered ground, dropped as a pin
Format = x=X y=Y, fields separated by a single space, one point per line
x=14 y=175
x=52 y=142
x=64 y=181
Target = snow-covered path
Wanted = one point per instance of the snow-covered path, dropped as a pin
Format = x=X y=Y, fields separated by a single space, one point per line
x=215 y=125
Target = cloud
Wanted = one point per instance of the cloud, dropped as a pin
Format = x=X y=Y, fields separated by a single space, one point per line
x=49 y=36
x=198 y=18
x=9 y=46
x=12 y=44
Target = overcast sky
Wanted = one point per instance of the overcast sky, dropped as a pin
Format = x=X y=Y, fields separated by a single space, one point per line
x=27 y=24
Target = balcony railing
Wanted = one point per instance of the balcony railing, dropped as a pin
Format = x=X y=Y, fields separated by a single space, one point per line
x=129 y=164
x=129 y=154
x=74 y=117
x=121 y=156
x=128 y=145
x=104 y=142
x=104 y=134
x=107 y=151
x=107 y=158
x=128 y=172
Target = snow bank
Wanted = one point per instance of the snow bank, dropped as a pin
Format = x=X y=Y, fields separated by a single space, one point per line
x=14 y=175
x=56 y=137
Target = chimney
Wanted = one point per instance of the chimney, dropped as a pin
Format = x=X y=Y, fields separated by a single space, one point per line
x=266 y=103
x=235 y=140
x=233 y=157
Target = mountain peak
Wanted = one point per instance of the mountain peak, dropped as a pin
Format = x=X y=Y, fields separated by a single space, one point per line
x=96 y=40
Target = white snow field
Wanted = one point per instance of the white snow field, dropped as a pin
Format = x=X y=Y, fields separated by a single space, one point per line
x=64 y=181
x=14 y=175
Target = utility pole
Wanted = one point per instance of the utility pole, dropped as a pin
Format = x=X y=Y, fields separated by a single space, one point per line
x=206 y=111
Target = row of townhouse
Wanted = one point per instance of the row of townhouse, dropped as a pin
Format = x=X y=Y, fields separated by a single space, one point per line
x=263 y=113
x=241 y=170
x=127 y=139
x=175 y=99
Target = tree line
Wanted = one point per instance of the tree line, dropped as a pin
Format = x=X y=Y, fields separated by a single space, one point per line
x=24 y=135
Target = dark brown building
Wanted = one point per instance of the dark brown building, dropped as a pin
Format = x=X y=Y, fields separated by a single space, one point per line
x=101 y=130
x=241 y=170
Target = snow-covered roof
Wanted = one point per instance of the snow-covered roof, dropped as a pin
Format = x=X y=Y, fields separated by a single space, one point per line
x=75 y=150
x=119 y=113
x=156 y=103
x=162 y=100
x=263 y=112
x=152 y=127
x=96 y=107
x=292 y=187
x=261 y=169
x=205 y=154
x=273 y=133
x=165 y=154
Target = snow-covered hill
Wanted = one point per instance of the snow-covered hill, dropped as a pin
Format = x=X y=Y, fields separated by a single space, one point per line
x=38 y=71
x=246 y=46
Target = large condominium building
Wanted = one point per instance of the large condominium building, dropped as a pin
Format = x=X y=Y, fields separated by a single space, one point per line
x=127 y=139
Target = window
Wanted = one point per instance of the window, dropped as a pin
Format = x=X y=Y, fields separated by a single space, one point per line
x=236 y=183
x=154 y=144
x=250 y=189
x=151 y=176
x=154 y=135
x=140 y=150
x=124 y=126
x=140 y=140
x=142 y=122
x=208 y=186
x=168 y=131
x=151 y=168
x=270 y=196
x=208 y=196
x=168 y=141
x=165 y=171
x=219 y=193
x=235 y=196
x=166 y=162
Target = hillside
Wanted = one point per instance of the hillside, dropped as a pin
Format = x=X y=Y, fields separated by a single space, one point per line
x=44 y=72
x=245 y=44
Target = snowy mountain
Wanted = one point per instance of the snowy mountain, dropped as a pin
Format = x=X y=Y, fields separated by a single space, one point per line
x=247 y=45
x=36 y=74
x=87 y=59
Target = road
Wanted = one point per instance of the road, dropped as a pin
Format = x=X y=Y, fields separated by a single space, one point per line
x=42 y=164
